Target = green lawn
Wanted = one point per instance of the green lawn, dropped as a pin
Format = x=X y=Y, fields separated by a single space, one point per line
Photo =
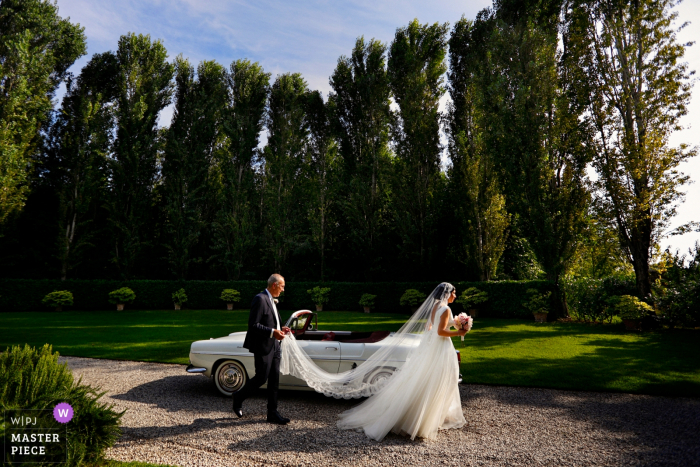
x=504 y=352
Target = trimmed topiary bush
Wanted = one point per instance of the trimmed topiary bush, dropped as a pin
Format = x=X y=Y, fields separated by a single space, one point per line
x=367 y=300
x=472 y=297
x=32 y=379
x=320 y=295
x=230 y=296
x=58 y=299
x=412 y=298
x=537 y=302
x=121 y=296
x=179 y=297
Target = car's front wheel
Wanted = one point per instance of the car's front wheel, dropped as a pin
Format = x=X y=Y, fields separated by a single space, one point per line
x=230 y=376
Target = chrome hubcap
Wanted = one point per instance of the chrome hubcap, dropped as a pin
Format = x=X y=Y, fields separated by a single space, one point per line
x=380 y=377
x=231 y=377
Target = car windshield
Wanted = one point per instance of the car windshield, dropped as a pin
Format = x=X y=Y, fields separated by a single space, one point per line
x=301 y=321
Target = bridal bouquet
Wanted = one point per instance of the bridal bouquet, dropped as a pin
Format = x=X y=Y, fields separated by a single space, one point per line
x=463 y=321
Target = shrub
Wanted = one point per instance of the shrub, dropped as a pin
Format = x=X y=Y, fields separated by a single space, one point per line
x=367 y=300
x=319 y=295
x=230 y=296
x=179 y=297
x=471 y=297
x=58 y=298
x=33 y=379
x=123 y=295
x=629 y=307
x=589 y=299
x=412 y=298
x=537 y=302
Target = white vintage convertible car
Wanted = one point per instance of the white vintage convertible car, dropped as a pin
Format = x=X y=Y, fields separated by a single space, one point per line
x=231 y=365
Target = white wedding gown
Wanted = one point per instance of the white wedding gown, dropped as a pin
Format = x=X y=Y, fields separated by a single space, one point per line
x=416 y=401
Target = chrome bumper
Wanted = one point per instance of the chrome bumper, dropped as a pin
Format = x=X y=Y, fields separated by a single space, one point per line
x=194 y=369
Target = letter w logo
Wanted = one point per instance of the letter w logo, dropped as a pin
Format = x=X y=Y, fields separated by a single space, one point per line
x=63 y=413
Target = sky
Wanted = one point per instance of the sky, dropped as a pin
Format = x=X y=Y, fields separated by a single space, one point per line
x=309 y=36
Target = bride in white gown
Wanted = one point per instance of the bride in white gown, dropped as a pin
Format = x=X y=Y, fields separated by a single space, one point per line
x=417 y=400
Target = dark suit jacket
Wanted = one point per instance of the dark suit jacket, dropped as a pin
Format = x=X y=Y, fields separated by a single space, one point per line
x=261 y=322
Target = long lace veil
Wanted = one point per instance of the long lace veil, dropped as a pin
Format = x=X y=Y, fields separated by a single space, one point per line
x=363 y=381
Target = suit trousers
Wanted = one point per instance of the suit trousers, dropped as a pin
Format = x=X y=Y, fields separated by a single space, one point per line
x=267 y=368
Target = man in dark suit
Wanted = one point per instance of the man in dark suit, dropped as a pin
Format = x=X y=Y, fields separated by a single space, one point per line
x=263 y=340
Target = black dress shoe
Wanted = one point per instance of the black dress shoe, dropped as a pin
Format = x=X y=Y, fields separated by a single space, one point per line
x=275 y=417
x=237 y=407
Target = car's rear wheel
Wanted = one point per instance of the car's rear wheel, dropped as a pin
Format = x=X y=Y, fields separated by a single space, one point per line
x=380 y=374
x=230 y=376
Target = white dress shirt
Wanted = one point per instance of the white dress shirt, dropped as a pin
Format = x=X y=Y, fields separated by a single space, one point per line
x=272 y=300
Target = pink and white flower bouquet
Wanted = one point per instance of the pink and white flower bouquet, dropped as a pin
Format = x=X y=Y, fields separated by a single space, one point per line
x=463 y=321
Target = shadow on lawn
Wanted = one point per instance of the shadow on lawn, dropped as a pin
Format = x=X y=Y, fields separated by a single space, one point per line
x=612 y=365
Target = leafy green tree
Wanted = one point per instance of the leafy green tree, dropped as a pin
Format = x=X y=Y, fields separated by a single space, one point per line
x=361 y=117
x=416 y=67
x=282 y=206
x=639 y=88
x=80 y=141
x=36 y=49
x=536 y=134
x=235 y=227
x=143 y=89
x=475 y=196
x=192 y=140
x=322 y=163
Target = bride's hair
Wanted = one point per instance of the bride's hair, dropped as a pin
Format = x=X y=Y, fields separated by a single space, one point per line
x=442 y=291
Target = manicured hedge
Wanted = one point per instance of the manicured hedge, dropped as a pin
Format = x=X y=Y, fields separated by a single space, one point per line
x=25 y=295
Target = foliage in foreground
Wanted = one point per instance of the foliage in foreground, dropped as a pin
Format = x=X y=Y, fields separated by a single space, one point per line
x=33 y=379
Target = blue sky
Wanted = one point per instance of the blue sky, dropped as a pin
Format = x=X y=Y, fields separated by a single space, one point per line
x=309 y=36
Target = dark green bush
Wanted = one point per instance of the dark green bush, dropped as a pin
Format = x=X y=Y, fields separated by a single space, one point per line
x=367 y=300
x=588 y=299
x=230 y=296
x=122 y=295
x=179 y=297
x=33 y=379
x=412 y=298
x=319 y=295
x=677 y=291
x=58 y=299
x=25 y=294
x=471 y=297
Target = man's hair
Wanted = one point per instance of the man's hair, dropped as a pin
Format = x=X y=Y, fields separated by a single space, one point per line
x=274 y=278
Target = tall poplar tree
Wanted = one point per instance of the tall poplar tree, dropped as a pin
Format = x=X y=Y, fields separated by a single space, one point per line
x=76 y=160
x=361 y=117
x=235 y=228
x=416 y=67
x=322 y=163
x=143 y=89
x=192 y=140
x=639 y=90
x=282 y=205
x=474 y=190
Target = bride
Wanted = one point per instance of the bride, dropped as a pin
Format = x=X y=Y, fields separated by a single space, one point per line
x=416 y=400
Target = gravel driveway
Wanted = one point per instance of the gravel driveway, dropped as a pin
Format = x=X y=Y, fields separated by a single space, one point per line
x=175 y=418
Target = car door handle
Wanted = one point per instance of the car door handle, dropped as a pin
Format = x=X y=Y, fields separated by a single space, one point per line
x=332 y=348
